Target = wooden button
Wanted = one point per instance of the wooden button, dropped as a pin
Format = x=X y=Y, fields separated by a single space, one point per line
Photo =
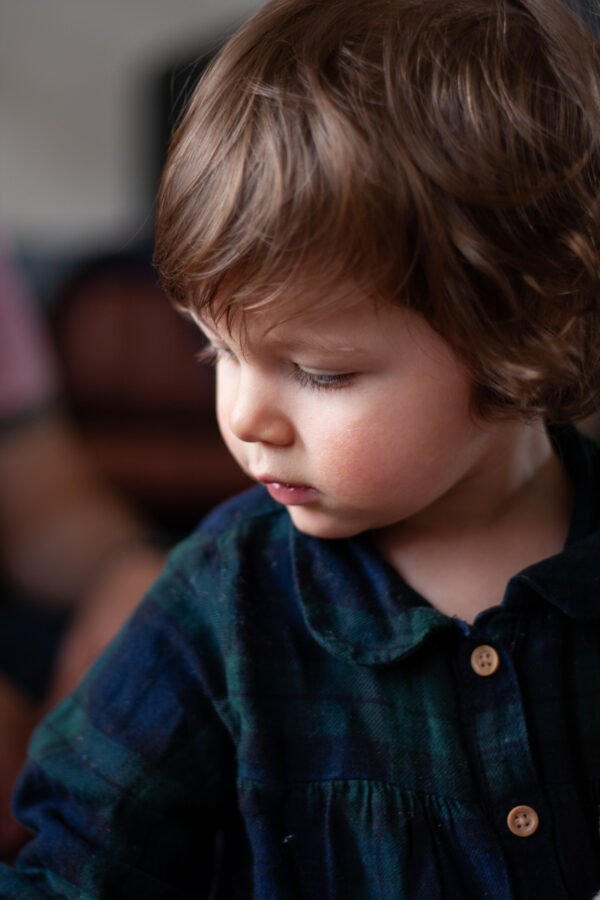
x=523 y=821
x=484 y=660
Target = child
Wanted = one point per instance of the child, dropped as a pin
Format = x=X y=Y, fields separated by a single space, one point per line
x=375 y=675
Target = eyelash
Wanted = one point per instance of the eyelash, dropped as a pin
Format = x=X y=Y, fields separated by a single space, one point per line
x=211 y=355
x=322 y=382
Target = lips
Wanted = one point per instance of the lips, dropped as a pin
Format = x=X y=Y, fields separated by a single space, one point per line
x=290 y=494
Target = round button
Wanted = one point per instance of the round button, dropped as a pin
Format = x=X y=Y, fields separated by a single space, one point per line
x=484 y=660
x=523 y=821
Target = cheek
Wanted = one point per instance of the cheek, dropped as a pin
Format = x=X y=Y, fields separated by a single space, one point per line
x=223 y=409
x=224 y=399
x=355 y=452
x=404 y=441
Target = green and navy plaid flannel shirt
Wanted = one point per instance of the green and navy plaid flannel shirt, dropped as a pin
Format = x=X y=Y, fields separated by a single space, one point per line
x=284 y=718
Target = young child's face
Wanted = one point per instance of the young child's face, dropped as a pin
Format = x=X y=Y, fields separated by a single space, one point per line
x=354 y=418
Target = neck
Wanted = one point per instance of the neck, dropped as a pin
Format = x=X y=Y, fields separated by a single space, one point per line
x=512 y=509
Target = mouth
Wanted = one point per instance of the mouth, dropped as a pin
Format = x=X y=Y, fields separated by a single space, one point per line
x=289 y=494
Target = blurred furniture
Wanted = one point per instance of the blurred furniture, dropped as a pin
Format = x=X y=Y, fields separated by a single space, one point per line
x=143 y=404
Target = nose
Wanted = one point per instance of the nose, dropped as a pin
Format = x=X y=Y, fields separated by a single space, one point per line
x=256 y=413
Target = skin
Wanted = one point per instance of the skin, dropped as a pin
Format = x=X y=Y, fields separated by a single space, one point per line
x=370 y=410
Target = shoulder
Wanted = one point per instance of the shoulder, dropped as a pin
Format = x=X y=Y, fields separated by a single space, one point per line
x=231 y=553
x=248 y=519
x=245 y=510
x=187 y=625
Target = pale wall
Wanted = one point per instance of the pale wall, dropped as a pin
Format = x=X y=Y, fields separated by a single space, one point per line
x=73 y=116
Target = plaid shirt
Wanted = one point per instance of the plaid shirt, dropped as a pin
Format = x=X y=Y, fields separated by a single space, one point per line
x=284 y=718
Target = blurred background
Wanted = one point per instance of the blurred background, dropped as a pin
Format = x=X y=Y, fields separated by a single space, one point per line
x=83 y=111
x=89 y=90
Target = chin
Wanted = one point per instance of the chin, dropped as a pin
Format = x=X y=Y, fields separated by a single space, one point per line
x=320 y=525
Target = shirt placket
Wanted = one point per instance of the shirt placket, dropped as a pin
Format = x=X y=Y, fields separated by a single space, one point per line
x=502 y=762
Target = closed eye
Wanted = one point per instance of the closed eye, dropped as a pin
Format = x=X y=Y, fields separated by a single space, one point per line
x=322 y=381
x=211 y=354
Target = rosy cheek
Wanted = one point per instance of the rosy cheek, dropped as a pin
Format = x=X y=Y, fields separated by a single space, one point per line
x=349 y=457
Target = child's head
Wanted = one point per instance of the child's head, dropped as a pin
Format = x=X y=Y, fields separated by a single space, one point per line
x=443 y=156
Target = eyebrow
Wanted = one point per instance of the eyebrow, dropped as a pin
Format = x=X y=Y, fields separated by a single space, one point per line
x=294 y=344
x=316 y=344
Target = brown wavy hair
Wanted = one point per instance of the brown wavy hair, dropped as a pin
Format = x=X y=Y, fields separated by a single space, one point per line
x=440 y=154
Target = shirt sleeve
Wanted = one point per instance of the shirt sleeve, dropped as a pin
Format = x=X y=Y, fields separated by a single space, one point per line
x=131 y=776
x=28 y=369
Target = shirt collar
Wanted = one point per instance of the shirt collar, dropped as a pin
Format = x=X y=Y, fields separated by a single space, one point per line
x=571 y=579
x=355 y=604
x=359 y=608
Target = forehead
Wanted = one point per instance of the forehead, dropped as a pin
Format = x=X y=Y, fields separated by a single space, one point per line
x=305 y=312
